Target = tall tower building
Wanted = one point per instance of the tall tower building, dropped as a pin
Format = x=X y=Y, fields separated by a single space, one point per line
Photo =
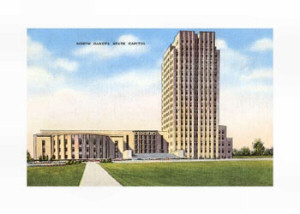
x=190 y=95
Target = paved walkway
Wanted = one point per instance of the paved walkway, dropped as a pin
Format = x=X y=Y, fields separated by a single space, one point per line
x=95 y=175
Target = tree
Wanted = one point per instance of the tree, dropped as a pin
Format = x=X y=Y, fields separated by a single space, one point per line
x=40 y=158
x=237 y=152
x=29 y=158
x=268 y=152
x=258 y=147
x=245 y=151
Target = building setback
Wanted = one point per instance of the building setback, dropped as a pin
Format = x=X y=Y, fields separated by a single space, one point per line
x=189 y=113
x=225 y=143
x=190 y=95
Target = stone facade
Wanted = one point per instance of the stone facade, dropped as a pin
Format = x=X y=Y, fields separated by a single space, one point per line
x=225 y=143
x=190 y=94
x=68 y=145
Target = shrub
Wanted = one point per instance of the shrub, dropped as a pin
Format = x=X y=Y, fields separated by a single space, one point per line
x=268 y=152
x=245 y=151
x=29 y=158
x=237 y=152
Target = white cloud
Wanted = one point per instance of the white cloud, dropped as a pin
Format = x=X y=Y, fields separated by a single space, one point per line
x=65 y=64
x=111 y=51
x=137 y=79
x=232 y=61
x=245 y=102
x=258 y=89
x=36 y=50
x=73 y=109
x=221 y=44
x=254 y=81
x=258 y=74
x=128 y=100
x=132 y=80
x=39 y=55
x=40 y=80
x=131 y=83
x=159 y=63
x=264 y=44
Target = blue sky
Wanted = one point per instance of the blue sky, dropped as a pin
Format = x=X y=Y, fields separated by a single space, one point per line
x=69 y=83
x=62 y=44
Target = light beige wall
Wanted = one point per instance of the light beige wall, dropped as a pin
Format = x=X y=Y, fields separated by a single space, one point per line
x=131 y=141
x=76 y=147
x=55 y=138
x=165 y=141
x=39 y=151
x=62 y=151
x=183 y=138
x=120 y=141
x=228 y=147
x=69 y=147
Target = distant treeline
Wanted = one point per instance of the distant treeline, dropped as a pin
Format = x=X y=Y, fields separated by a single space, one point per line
x=257 y=150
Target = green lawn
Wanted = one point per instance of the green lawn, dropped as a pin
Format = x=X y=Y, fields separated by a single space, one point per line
x=254 y=156
x=69 y=175
x=215 y=173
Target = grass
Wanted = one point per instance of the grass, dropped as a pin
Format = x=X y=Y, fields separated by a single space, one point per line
x=69 y=175
x=253 y=156
x=214 y=173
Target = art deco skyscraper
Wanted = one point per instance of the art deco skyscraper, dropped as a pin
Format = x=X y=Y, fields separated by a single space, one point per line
x=190 y=94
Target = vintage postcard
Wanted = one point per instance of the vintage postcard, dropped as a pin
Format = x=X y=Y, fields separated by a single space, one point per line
x=150 y=107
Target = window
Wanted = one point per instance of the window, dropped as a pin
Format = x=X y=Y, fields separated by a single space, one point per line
x=116 y=149
x=127 y=140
